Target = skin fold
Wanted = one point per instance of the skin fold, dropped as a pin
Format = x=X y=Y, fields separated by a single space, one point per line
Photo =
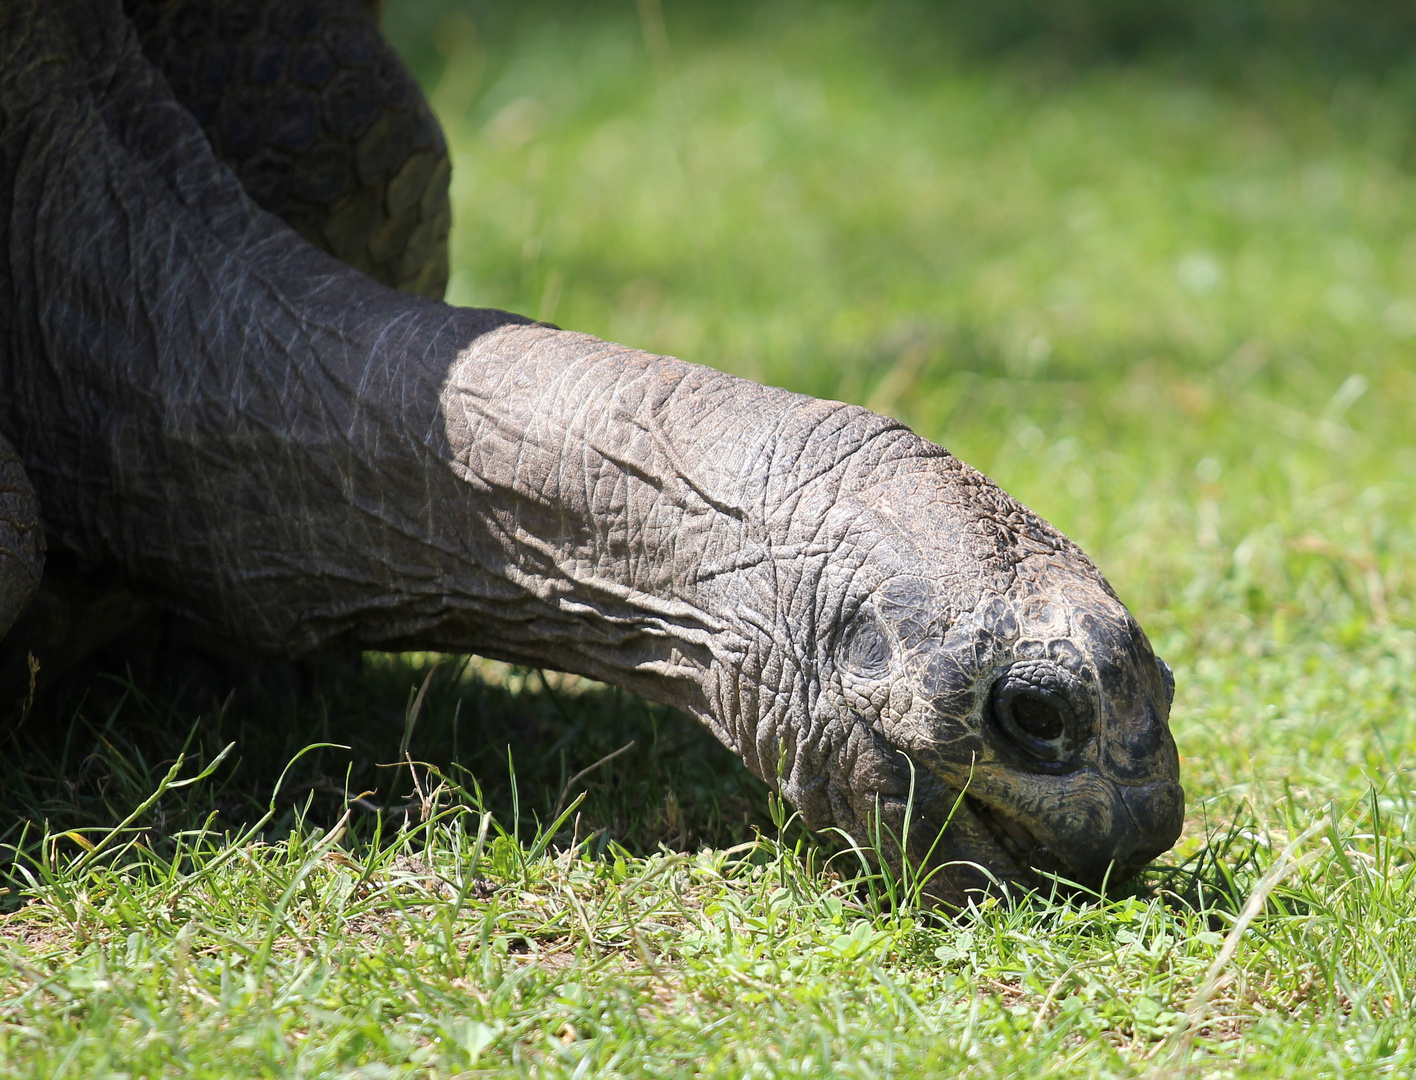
x=291 y=455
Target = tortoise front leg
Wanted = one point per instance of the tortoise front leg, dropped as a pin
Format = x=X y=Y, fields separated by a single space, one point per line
x=21 y=537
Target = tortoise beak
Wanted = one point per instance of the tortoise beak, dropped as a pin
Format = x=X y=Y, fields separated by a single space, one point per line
x=1146 y=820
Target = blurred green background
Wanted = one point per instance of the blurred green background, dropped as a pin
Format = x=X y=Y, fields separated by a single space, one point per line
x=1151 y=267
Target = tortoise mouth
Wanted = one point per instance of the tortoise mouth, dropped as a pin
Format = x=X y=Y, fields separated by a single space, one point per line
x=1015 y=841
x=1037 y=863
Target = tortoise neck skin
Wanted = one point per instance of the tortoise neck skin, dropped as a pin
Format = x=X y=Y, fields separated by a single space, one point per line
x=295 y=456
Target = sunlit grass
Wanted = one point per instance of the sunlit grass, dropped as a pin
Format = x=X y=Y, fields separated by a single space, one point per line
x=458 y=944
x=1171 y=305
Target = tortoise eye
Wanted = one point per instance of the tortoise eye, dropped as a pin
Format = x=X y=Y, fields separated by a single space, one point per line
x=865 y=649
x=1034 y=708
x=1040 y=716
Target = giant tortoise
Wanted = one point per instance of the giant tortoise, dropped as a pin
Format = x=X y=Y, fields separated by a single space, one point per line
x=216 y=418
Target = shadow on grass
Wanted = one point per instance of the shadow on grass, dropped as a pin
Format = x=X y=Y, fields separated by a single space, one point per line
x=521 y=744
x=519 y=739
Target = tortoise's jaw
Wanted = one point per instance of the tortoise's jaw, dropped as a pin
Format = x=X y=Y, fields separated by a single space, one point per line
x=1036 y=864
x=991 y=848
x=1019 y=845
x=1145 y=822
x=980 y=852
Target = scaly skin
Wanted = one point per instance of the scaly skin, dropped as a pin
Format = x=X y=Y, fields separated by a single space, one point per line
x=21 y=536
x=287 y=453
x=325 y=128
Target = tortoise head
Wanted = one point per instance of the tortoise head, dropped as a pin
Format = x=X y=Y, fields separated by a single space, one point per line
x=997 y=688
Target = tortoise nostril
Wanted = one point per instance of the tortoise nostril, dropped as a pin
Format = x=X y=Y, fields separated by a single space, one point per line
x=1033 y=707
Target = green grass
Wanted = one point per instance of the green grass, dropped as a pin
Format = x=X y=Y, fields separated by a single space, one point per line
x=1165 y=294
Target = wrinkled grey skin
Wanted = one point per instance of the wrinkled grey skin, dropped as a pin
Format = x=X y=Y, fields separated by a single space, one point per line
x=296 y=457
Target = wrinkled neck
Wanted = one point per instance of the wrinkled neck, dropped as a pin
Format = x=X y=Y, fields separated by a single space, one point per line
x=670 y=513
x=295 y=456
